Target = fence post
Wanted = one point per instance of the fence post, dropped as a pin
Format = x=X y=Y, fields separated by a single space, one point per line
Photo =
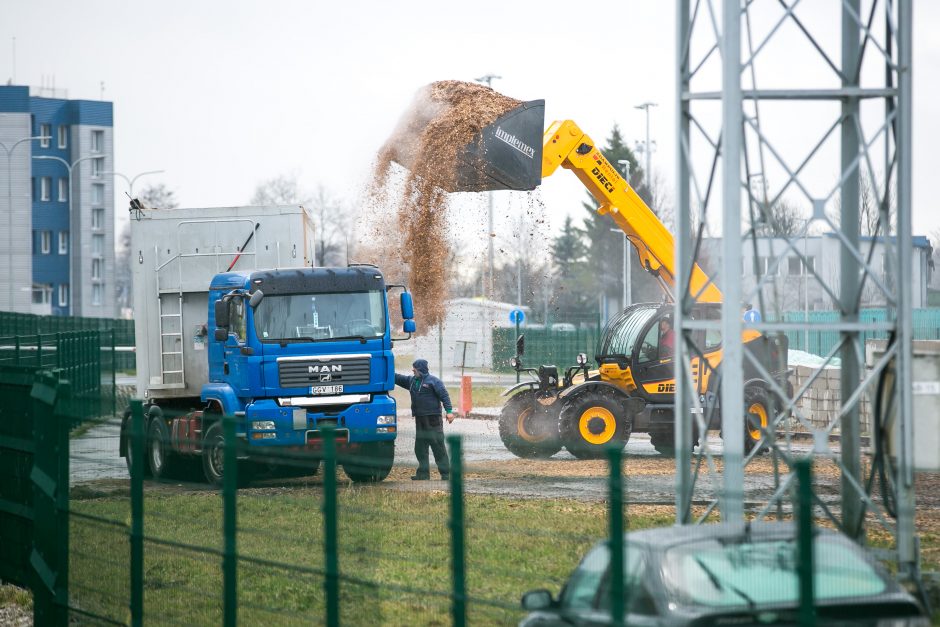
x=458 y=552
x=113 y=375
x=615 y=487
x=331 y=582
x=49 y=558
x=229 y=523
x=805 y=567
x=136 y=451
x=39 y=351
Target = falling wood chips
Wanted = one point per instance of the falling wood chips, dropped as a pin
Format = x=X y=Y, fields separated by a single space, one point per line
x=444 y=117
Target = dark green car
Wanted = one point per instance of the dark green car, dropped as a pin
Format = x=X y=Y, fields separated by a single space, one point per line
x=727 y=574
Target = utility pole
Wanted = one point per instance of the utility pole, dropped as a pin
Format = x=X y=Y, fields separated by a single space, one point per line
x=488 y=79
x=627 y=259
x=647 y=147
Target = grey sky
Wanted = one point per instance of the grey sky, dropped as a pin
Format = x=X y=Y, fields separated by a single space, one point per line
x=224 y=94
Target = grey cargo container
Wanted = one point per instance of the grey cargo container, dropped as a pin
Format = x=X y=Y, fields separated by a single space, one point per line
x=174 y=255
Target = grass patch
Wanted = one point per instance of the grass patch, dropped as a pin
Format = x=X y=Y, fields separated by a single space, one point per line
x=11 y=595
x=394 y=555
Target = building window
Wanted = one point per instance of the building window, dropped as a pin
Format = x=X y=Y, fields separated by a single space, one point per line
x=63 y=137
x=97 y=165
x=63 y=295
x=794 y=265
x=45 y=131
x=45 y=242
x=63 y=190
x=45 y=188
x=810 y=263
x=96 y=268
x=42 y=294
x=97 y=219
x=97 y=141
x=63 y=242
x=97 y=245
x=33 y=189
x=97 y=193
x=96 y=291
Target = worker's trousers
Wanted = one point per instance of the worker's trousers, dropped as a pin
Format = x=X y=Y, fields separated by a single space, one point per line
x=430 y=434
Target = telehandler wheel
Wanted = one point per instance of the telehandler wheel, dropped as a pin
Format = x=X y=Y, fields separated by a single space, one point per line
x=590 y=422
x=161 y=460
x=213 y=458
x=758 y=412
x=529 y=429
x=372 y=463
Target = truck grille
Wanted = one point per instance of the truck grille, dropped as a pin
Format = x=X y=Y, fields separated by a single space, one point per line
x=337 y=370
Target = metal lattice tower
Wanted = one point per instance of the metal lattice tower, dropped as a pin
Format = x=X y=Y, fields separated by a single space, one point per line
x=813 y=103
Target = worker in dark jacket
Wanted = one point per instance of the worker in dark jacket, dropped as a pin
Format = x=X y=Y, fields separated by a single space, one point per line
x=427 y=395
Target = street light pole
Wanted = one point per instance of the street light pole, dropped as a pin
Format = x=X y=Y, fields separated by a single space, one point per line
x=130 y=181
x=627 y=259
x=9 y=152
x=647 y=148
x=488 y=80
x=69 y=167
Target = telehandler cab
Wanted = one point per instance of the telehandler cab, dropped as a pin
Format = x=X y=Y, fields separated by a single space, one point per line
x=633 y=388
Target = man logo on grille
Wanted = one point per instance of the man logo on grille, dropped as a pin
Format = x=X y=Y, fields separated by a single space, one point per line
x=325 y=377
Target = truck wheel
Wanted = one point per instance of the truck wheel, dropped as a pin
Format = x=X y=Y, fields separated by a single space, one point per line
x=529 y=429
x=590 y=422
x=126 y=440
x=372 y=463
x=213 y=458
x=162 y=461
x=758 y=412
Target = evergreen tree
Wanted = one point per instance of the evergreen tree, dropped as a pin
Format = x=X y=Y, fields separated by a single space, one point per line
x=572 y=274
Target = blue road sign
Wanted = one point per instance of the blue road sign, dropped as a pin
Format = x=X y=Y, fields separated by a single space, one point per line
x=517 y=316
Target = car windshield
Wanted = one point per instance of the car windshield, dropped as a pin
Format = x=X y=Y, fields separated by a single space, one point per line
x=622 y=333
x=711 y=574
x=321 y=316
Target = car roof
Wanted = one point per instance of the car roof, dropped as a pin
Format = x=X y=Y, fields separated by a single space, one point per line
x=665 y=537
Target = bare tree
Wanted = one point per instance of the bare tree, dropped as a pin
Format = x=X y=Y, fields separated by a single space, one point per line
x=159 y=196
x=783 y=219
x=280 y=190
x=877 y=210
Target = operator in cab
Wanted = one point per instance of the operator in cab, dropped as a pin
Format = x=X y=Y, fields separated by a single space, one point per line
x=428 y=394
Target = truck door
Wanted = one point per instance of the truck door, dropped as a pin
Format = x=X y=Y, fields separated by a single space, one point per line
x=234 y=369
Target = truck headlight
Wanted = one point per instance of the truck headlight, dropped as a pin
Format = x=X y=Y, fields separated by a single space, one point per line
x=385 y=420
x=581 y=359
x=263 y=425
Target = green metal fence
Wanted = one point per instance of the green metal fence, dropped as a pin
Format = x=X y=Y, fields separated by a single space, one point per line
x=926 y=326
x=120 y=332
x=545 y=346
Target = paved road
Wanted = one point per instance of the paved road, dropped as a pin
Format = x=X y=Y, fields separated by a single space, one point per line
x=95 y=457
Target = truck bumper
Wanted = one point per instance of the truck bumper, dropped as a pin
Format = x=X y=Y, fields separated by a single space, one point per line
x=269 y=424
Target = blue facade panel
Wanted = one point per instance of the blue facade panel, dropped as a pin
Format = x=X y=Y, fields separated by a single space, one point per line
x=91 y=112
x=14 y=99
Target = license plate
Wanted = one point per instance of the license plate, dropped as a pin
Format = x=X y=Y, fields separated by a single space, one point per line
x=323 y=390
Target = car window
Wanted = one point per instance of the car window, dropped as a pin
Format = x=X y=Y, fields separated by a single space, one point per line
x=581 y=590
x=712 y=574
x=636 y=592
x=649 y=348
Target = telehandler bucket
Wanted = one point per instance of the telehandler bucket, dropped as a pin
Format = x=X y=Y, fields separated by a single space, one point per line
x=506 y=154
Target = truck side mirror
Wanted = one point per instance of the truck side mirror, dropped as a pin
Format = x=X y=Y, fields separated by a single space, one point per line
x=221 y=334
x=256 y=298
x=407 y=307
x=221 y=314
x=409 y=326
x=520 y=346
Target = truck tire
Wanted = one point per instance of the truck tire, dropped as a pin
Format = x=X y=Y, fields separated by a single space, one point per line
x=126 y=437
x=529 y=429
x=758 y=410
x=213 y=458
x=590 y=422
x=162 y=461
x=372 y=463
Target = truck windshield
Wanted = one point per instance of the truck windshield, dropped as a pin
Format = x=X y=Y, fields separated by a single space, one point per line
x=316 y=317
x=622 y=332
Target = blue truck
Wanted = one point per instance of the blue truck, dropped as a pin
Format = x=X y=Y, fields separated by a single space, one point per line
x=285 y=350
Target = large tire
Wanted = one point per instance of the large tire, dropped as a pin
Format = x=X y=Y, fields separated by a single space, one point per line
x=758 y=411
x=372 y=464
x=126 y=435
x=529 y=429
x=213 y=458
x=162 y=461
x=591 y=422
